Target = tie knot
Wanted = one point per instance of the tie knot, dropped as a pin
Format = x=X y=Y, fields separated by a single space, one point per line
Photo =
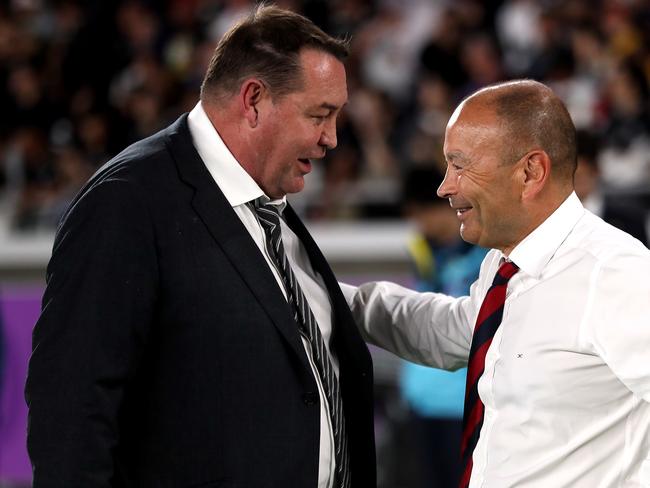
x=506 y=271
x=268 y=215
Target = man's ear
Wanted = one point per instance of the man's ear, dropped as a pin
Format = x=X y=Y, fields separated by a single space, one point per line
x=536 y=170
x=252 y=91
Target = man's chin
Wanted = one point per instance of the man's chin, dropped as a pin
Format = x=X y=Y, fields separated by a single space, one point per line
x=297 y=185
x=467 y=235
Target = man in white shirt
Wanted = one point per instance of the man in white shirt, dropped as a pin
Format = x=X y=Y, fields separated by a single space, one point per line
x=565 y=389
x=192 y=333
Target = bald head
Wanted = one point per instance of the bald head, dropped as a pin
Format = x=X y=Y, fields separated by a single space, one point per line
x=531 y=117
x=511 y=154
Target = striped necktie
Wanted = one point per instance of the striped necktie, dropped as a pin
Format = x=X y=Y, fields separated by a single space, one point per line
x=269 y=217
x=487 y=323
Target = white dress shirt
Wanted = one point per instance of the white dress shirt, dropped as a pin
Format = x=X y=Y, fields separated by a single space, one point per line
x=566 y=385
x=239 y=189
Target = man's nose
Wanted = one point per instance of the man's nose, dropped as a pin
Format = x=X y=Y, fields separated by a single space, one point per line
x=448 y=186
x=328 y=136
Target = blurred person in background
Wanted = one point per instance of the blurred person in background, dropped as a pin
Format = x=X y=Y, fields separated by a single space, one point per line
x=613 y=209
x=32 y=172
x=71 y=173
x=389 y=43
x=192 y=334
x=624 y=158
x=443 y=263
x=556 y=324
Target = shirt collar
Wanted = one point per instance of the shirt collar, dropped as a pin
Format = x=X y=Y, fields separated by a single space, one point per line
x=236 y=184
x=281 y=203
x=536 y=250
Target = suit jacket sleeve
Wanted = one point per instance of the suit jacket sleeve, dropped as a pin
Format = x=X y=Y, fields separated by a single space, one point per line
x=97 y=309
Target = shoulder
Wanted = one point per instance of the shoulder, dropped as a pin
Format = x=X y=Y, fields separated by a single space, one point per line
x=143 y=163
x=613 y=250
x=140 y=160
x=131 y=177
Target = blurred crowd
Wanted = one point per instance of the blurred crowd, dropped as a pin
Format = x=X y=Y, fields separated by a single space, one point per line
x=81 y=80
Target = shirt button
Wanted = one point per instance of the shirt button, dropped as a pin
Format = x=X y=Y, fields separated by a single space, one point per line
x=310 y=398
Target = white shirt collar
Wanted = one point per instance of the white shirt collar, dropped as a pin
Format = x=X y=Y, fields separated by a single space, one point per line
x=233 y=180
x=536 y=250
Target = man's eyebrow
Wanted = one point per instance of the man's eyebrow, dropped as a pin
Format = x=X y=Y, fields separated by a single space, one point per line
x=456 y=157
x=329 y=106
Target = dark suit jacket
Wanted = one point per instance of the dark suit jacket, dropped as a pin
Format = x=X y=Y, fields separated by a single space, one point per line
x=166 y=354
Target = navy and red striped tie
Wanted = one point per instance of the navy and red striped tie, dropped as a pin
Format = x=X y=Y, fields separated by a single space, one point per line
x=487 y=323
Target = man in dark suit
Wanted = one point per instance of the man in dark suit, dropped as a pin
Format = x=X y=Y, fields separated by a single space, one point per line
x=173 y=349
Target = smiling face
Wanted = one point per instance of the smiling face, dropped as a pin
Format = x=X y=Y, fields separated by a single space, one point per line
x=299 y=126
x=484 y=189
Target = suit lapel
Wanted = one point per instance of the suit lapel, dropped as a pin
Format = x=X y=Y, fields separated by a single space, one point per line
x=232 y=237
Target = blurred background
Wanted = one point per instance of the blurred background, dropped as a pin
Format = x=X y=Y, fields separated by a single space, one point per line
x=81 y=80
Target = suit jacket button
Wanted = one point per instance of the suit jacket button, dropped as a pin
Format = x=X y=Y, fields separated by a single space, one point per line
x=310 y=398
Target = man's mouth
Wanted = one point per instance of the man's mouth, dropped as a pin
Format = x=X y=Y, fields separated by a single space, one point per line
x=459 y=207
x=305 y=165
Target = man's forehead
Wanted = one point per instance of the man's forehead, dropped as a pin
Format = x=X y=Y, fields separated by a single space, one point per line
x=454 y=116
x=469 y=127
x=324 y=80
x=316 y=63
x=474 y=111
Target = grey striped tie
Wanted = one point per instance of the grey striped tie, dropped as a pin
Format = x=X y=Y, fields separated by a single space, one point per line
x=269 y=218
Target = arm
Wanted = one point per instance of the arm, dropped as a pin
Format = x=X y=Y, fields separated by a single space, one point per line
x=97 y=309
x=427 y=328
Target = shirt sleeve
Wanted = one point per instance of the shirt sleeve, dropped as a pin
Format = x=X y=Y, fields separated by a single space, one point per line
x=618 y=326
x=426 y=328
